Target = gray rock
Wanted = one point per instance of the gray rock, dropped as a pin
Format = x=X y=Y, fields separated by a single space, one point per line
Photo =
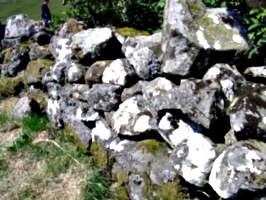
x=103 y=97
x=20 y=25
x=7 y=43
x=199 y=99
x=75 y=73
x=95 y=44
x=153 y=42
x=247 y=112
x=60 y=48
x=25 y=106
x=228 y=76
x=240 y=166
x=37 y=52
x=256 y=71
x=132 y=117
x=187 y=156
x=133 y=90
x=95 y=72
x=145 y=63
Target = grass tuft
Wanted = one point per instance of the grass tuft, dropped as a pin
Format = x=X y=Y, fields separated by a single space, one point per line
x=52 y=168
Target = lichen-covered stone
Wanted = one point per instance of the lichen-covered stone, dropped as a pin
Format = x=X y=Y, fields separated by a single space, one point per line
x=228 y=76
x=248 y=112
x=119 y=72
x=256 y=71
x=240 y=166
x=192 y=33
x=20 y=25
x=38 y=52
x=187 y=156
x=199 y=99
x=103 y=97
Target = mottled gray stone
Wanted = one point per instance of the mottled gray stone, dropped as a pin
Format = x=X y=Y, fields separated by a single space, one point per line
x=240 y=166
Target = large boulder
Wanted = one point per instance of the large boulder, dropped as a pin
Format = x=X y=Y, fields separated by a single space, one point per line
x=95 y=44
x=193 y=35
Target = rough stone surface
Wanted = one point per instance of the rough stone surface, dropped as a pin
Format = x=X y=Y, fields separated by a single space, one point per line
x=248 y=112
x=241 y=166
x=19 y=26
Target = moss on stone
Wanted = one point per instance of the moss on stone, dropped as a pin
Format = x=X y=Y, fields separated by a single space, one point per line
x=10 y=86
x=71 y=134
x=164 y=191
x=131 y=32
x=122 y=182
x=99 y=154
x=38 y=68
x=6 y=54
x=151 y=146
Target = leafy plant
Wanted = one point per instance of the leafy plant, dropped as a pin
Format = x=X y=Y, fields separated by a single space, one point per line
x=255 y=20
x=140 y=14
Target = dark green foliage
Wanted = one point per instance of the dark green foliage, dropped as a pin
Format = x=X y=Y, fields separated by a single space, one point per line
x=140 y=14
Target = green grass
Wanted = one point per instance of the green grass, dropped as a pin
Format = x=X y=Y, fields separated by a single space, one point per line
x=29 y=7
x=53 y=168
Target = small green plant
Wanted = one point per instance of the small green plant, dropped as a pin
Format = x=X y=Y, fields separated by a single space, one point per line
x=255 y=20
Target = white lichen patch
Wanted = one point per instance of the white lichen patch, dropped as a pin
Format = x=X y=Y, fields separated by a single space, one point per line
x=228 y=89
x=165 y=123
x=115 y=73
x=264 y=120
x=213 y=72
x=117 y=146
x=72 y=71
x=202 y=41
x=248 y=166
x=81 y=116
x=142 y=124
x=237 y=38
x=227 y=26
x=214 y=18
x=64 y=52
x=194 y=167
x=126 y=112
x=53 y=107
x=101 y=131
x=214 y=180
x=217 y=45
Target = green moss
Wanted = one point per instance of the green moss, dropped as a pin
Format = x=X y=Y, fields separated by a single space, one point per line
x=6 y=54
x=122 y=182
x=10 y=86
x=169 y=191
x=151 y=146
x=99 y=154
x=131 y=32
x=38 y=68
x=73 y=136
x=164 y=191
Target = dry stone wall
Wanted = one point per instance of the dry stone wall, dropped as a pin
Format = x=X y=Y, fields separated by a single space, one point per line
x=161 y=112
